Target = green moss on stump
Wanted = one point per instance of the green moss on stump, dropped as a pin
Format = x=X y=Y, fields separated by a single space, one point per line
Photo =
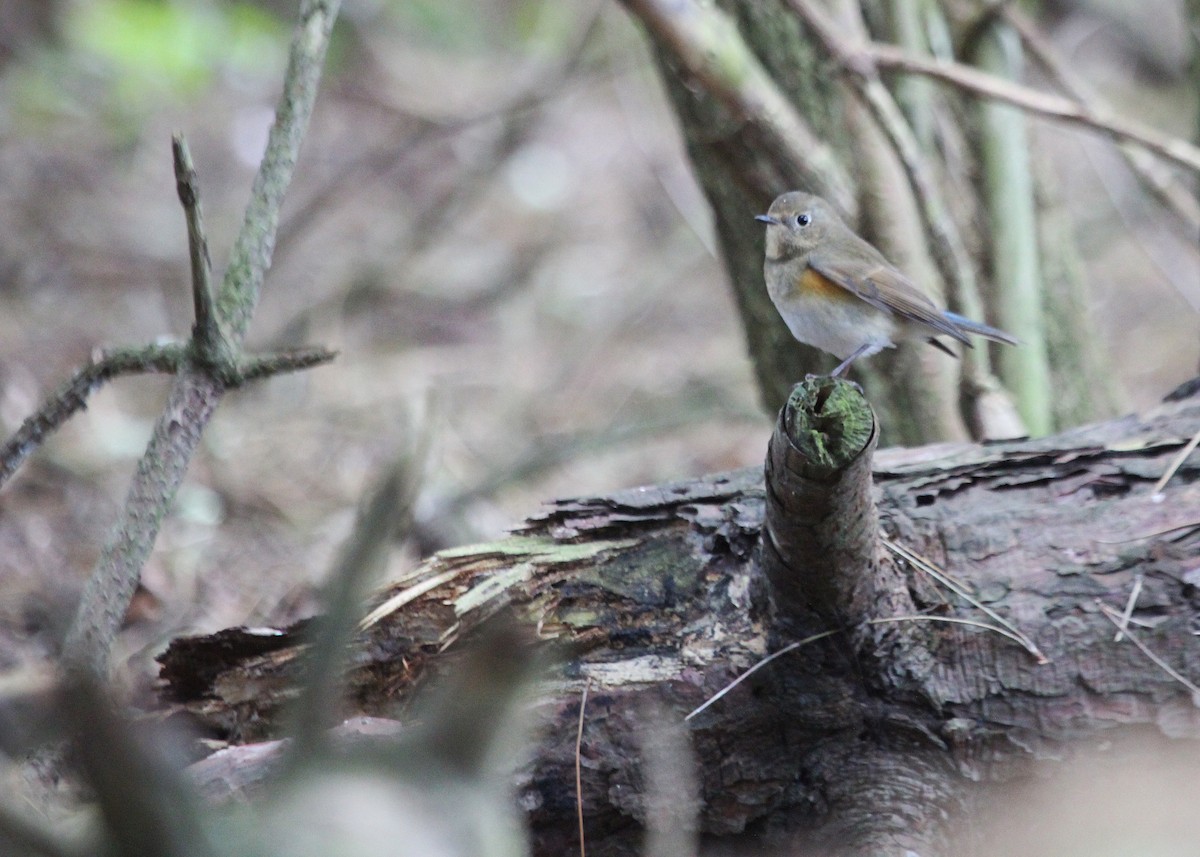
x=829 y=421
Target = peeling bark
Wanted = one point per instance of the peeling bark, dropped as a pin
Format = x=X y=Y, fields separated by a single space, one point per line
x=658 y=591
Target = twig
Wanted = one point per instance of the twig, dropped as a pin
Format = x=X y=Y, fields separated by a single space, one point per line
x=919 y=562
x=251 y=255
x=278 y=363
x=790 y=647
x=579 y=765
x=1115 y=618
x=72 y=396
x=197 y=392
x=1042 y=103
x=1130 y=603
x=206 y=333
x=1175 y=464
x=1150 y=172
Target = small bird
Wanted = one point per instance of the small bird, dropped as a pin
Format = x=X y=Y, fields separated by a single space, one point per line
x=838 y=293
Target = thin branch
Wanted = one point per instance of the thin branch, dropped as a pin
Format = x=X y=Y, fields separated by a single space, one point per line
x=251 y=255
x=196 y=393
x=72 y=396
x=1046 y=104
x=265 y=365
x=206 y=333
x=1153 y=175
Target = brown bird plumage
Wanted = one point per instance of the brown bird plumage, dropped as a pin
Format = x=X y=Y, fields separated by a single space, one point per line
x=838 y=293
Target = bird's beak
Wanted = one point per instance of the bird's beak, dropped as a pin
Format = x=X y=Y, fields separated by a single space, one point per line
x=766 y=218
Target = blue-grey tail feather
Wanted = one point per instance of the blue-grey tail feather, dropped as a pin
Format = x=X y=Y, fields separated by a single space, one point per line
x=979 y=328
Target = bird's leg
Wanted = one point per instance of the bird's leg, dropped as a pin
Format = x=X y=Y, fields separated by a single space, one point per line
x=865 y=348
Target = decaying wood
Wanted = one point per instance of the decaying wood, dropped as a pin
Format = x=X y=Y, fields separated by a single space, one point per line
x=820 y=532
x=658 y=592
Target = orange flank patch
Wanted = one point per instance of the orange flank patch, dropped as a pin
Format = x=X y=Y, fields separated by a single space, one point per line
x=812 y=283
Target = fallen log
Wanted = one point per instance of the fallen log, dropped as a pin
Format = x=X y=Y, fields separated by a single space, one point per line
x=978 y=643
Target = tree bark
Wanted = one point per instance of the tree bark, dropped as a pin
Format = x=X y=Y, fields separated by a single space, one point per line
x=740 y=173
x=863 y=742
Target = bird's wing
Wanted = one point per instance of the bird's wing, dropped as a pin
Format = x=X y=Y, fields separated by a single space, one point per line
x=885 y=288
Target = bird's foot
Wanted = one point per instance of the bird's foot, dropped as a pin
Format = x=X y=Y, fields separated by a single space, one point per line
x=833 y=376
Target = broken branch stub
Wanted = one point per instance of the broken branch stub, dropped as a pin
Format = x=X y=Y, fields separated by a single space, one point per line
x=820 y=535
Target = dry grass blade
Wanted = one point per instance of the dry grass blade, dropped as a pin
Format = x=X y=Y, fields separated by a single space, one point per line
x=361 y=558
x=1018 y=638
x=1013 y=635
x=1115 y=617
x=1175 y=464
x=1127 y=614
x=919 y=562
x=790 y=647
x=579 y=766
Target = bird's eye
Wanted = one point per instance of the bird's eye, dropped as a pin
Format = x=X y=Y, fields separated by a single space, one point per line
x=803 y=219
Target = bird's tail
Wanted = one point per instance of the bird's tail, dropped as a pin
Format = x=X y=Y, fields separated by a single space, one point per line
x=979 y=328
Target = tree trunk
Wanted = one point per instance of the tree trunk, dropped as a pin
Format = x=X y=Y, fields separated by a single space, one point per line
x=864 y=741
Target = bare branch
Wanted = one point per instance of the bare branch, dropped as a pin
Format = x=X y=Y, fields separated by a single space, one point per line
x=206 y=332
x=1042 y=103
x=72 y=396
x=106 y=596
x=279 y=363
x=251 y=256
x=198 y=390
x=1153 y=175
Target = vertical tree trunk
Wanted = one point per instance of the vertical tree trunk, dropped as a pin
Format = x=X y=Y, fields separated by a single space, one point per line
x=740 y=177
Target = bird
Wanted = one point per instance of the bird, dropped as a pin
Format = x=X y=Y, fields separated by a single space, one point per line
x=836 y=292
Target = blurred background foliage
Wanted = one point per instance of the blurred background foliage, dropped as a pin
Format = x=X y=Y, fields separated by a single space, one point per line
x=494 y=221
